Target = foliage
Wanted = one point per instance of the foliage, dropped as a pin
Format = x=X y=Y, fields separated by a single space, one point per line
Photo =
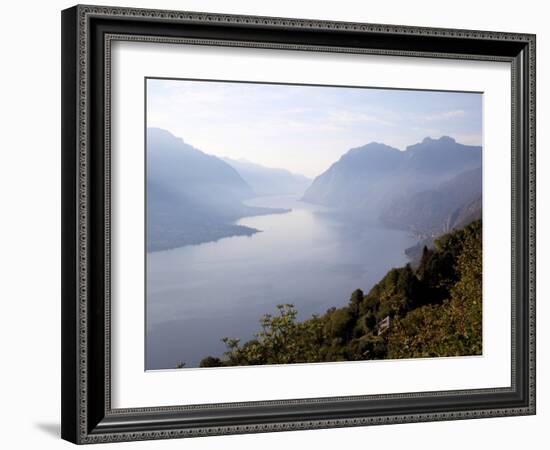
x=210 y=361
x=434 y=311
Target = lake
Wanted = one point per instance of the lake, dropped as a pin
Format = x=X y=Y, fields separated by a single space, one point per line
x=308 y=257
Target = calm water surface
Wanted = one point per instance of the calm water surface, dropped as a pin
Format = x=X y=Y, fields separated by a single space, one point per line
x=198 y=294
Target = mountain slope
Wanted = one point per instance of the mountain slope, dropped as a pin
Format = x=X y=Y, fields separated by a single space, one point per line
x=466 y=214
x=439 y=209
x=269 y=181
x=187 y=171
x=192 y=197
x=359 y=174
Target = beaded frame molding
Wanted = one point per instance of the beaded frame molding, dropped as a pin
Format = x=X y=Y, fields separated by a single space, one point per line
x=87 y=35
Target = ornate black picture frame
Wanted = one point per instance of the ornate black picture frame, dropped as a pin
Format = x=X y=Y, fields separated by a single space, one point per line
x=87 y=34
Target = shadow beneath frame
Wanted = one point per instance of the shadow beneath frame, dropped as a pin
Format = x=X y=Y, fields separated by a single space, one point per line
x=53 y=429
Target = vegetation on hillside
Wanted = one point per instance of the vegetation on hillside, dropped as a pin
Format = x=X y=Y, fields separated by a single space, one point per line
x=431 y=311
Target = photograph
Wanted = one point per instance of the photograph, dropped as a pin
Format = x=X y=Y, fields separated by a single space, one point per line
x=296 y=223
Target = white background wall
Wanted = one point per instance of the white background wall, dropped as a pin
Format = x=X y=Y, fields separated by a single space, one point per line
x=30 y=223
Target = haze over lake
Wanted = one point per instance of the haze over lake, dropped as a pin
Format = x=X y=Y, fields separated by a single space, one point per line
x=198 y=294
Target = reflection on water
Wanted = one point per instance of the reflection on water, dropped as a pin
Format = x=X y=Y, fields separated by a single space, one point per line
x=201 y=293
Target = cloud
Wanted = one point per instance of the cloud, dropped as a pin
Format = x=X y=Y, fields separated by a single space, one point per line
x=354 y=117
x=446 y=115
x=297 y=110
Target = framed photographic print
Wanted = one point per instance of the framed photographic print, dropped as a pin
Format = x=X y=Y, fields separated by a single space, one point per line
x=278 y=224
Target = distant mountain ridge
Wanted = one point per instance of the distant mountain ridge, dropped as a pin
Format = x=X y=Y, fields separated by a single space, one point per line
x=416 y=189
x=269 y=181
x=192 y=197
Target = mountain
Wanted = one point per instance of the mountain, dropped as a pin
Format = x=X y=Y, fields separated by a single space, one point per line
x=269 y=181
x=460 y=218
x=443 y=156
x=466 y=214
x=190 y=172
x=440 y=209
x=366 y=179
x=359 y=174
x=192 y=197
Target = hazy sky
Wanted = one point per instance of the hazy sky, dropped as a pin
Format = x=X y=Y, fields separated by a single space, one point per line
x=304 y=128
